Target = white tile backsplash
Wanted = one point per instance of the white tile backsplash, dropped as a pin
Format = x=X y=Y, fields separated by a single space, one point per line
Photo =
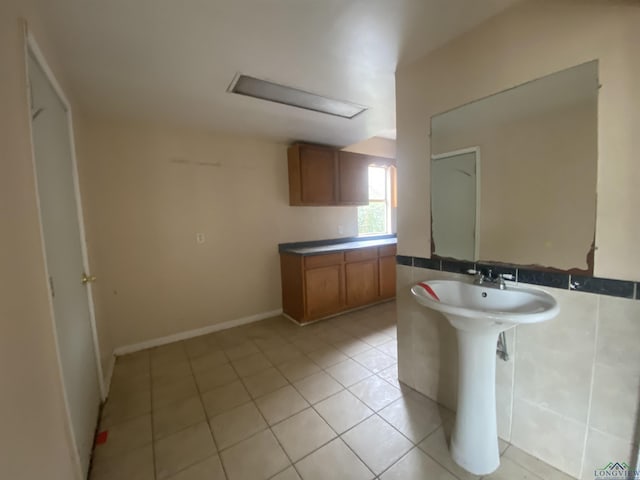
x=559 y=380
x=602 y=449
x=615 y=408
x=570 y=392
x=545 y=434
x=619 y=334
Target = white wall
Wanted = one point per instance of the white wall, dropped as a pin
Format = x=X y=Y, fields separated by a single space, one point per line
x=34 y=435
x=150 y=188
x=554 y=398
x=376 y=146
x=511 y=49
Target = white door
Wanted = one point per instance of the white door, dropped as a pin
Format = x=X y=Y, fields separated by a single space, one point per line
x=453 y=205
x=55 y=172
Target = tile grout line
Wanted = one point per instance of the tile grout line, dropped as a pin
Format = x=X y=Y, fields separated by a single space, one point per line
x=206 y=416
x=591 y=385
x=312 y=406
x=434 y=458
x=305 y=354
x=343 y=389
x=338 y=435
x=253 y=401
x=187 y=426
x=291 y=384
x=153 y=443
x=358 y=336
x=375 y=413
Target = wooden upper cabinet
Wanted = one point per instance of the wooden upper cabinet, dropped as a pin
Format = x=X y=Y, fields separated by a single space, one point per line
x=312 y=175
x=320 y=175
x=353 y=178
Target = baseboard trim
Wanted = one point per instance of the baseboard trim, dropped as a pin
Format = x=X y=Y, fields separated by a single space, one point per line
x=337 y=314
x=156 y=342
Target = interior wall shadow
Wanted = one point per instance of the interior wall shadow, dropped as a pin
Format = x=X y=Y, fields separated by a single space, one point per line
x=448 y=369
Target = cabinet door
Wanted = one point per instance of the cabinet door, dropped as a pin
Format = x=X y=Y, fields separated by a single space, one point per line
x=387 y=277
x=361 y=282
x=353 y=178
x=323 y=288
x=317 y=175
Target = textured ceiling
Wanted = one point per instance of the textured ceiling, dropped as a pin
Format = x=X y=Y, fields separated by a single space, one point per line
x=172 y=61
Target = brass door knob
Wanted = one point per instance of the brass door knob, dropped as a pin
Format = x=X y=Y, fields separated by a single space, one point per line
x=87 y=278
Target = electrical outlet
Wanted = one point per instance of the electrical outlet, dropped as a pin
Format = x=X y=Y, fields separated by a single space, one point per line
x=200 y=238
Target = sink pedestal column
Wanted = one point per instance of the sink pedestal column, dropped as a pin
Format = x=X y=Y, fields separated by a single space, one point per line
x=474 y=441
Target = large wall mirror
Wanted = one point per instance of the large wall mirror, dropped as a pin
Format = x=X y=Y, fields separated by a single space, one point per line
x=513 y=175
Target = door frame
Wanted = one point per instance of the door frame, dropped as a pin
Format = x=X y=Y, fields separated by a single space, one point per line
x=31 y=48
x=454 y=153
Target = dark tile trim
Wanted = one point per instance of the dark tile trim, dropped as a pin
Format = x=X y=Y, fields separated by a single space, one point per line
x=497 y=269
x=547 y=279
x=330 y=241
x=603 y=286
x=457 y=266
x=403 y=260
x=430 y=263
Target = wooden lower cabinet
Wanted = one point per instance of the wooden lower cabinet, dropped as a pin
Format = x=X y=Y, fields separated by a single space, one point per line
x=323 y=287
x=387 y=281
x=361 y=283
x=318 y=286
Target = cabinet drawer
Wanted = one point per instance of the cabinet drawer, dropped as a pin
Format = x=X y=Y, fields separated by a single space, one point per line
x=388 y=250
x=315 y=261
x=361 y=254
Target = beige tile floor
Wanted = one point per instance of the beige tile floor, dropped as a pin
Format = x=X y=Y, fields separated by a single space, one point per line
x=274 y=400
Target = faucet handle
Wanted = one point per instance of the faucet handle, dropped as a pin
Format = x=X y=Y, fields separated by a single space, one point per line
x=479 y=276
x=500 y=280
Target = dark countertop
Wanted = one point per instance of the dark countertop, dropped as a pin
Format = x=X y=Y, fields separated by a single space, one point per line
x=336 y=245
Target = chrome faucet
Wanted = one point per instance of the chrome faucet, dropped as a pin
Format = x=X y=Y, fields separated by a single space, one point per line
x=495 y=281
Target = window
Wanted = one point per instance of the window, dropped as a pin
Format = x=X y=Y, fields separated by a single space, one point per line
x=375 y=218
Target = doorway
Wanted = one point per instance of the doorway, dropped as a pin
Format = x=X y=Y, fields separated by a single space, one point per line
x=455 y=203
x=65 y=253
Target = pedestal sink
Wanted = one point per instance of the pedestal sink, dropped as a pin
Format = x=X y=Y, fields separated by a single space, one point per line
x=479 y=313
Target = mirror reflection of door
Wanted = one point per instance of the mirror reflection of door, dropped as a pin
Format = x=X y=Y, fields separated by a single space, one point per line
x=454 y=204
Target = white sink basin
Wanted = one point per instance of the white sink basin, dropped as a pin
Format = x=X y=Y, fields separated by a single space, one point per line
x=479 y=307
x=479 y=313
